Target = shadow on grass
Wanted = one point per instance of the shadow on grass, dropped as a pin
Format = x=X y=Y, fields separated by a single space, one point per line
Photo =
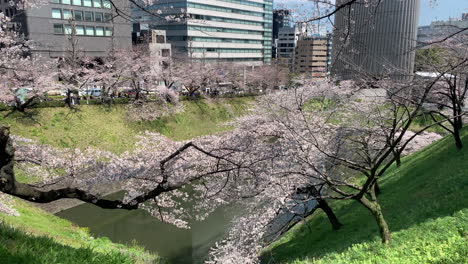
x=28 y=118
x=430 y=184
x=19 y=247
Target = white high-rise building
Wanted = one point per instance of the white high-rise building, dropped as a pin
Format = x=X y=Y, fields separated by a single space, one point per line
x=215 y=30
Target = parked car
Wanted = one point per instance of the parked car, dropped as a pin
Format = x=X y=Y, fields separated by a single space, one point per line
x=93 y=92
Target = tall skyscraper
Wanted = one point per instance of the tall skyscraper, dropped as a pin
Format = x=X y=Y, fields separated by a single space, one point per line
x=215 y=30
x=281 y=18
x=93 y=23
x=376 y=38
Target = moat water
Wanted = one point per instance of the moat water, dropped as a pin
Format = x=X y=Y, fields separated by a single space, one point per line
x=176 y=245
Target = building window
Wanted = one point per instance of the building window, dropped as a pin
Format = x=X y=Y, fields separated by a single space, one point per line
x=90 y=31
x=97 y=3
x=56 y=13
x=68 y=29
x=58 y=28
x=78 y=15
x=52 y=1
x=106 y=4
x=98 y=17
x=65 y=2
x=76 y=2
x=108 y=31
x=67 y=14
x=88 y=16
x=79 y=30
x=88 y=3
x=107 y=17
x=99 y=31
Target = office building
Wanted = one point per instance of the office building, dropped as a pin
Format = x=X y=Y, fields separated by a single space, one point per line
x=281 y=18
x=92 y=23
x=215 y=30
x=286 y=44
x=375 y=38
x=438 y=30
x=313 y=55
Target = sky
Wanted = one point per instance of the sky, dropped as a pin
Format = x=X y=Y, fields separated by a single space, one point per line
x=441 y=10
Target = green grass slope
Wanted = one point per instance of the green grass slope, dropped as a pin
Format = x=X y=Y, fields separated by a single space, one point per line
x=107 y=128
x=38 y=237
x=425 y=202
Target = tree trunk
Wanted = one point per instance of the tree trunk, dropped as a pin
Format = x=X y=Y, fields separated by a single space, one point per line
x=322 y=204
x=377 y=189
x=458 y=125
x=374 y=208
x=397 y=155
x=458 y=141
x=68 y=99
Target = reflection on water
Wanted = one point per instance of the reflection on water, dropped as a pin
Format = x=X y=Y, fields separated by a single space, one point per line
x=178 y=246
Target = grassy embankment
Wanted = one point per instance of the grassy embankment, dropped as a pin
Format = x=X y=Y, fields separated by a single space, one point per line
x=108 y=129
x=39 y=237
x=425 y=202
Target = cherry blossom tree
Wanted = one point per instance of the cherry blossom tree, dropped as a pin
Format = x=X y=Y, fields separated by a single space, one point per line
x=75 y=70
x=451 y=92
x=195 y=75
x=23 y=79
x=289 y=152
x=265 y=78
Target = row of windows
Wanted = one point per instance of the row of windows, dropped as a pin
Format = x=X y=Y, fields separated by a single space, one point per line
x=202 y=39
x=226 y=50
x=244 y=2
x=79 y=15
x=83 y=30
x=229 y=59
x=86 y=3
x=223 y=9
x=227 y=30
x=267 y=35
x=227 y=20
x=165 y=6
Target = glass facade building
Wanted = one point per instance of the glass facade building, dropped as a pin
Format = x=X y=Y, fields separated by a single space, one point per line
x=215 y=30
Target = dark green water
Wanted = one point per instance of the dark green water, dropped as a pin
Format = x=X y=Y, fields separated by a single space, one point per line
x=177 y=246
